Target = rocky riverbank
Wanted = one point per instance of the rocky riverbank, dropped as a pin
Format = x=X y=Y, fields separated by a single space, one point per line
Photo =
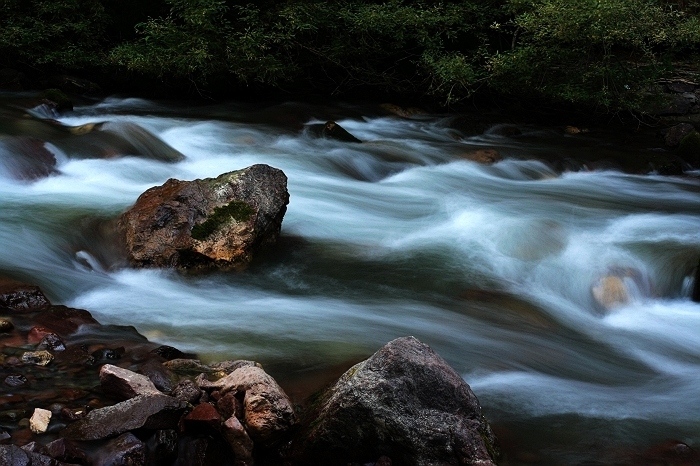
x=77 y=392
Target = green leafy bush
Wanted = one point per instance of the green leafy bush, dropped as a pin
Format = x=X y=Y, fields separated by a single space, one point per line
x=602 y=52
x=63 y=33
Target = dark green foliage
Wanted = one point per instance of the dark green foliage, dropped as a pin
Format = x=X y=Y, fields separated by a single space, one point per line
x=236 y=210
x=598 y=52
x=602 y=52
x=396 y=46
x=64 y=33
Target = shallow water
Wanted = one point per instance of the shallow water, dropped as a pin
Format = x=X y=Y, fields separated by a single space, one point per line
x=493 y=266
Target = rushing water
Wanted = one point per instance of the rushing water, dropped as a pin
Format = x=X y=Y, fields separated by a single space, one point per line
x=493 y=265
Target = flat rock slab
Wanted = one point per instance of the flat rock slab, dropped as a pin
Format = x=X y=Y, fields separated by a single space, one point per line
x=144 y=411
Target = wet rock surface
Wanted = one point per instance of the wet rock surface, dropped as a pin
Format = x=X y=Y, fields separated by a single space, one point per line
x=403 y=406
x=215 y=222
x=404 y=402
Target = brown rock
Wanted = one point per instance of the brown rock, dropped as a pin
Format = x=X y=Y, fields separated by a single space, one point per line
x=229 y=405
x=485 y=156
x=65 y=450
x=214 y=222
x=267 y=410
x=65 y=320
x=239 y=441
x=610 y=292
x=403 y=112
x=204 y=417
x=187 y=366
x=125 y=384
x=37 y=333
x=670 y=452
x=162 y=447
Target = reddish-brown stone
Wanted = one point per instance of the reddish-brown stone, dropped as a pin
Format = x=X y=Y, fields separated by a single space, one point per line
x=37 y=333
x=214 y=222
x=65 y=320
x=204 y=416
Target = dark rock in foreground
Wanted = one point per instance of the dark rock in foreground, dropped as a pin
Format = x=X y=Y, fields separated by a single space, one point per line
x=154 y=412
x=405 y=402
x=214 y=222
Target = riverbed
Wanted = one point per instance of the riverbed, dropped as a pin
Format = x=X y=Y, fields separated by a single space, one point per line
x=496 y=266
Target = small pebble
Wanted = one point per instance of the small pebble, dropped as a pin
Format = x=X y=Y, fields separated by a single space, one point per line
x=40 y=420
x=39 y=358
x=15 y=380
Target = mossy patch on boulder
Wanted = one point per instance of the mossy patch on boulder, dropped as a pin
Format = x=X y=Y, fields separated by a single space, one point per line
x=236 y=210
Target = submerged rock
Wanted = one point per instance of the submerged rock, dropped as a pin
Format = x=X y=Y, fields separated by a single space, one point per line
x=404 y=402
x=484 y=156
x=215 y=222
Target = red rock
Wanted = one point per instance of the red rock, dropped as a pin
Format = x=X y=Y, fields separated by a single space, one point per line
x=12 y=340
x=203 y=417
x=65 y=320
x=37 y=333
x=22 y=437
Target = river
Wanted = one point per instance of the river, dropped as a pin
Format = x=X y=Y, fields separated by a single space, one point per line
x=495 y=266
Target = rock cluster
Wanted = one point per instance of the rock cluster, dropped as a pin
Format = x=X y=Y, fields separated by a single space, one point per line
x=137 y=403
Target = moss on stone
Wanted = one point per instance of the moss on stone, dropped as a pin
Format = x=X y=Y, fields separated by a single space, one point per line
x=236 y=210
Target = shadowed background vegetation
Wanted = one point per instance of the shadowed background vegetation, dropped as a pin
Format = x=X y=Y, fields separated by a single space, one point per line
x=594 y=52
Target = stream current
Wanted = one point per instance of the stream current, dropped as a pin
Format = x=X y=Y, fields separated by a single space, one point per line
x=495 y=266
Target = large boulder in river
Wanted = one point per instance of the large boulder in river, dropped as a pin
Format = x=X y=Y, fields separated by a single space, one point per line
x=214 y=222
x=406 y=403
